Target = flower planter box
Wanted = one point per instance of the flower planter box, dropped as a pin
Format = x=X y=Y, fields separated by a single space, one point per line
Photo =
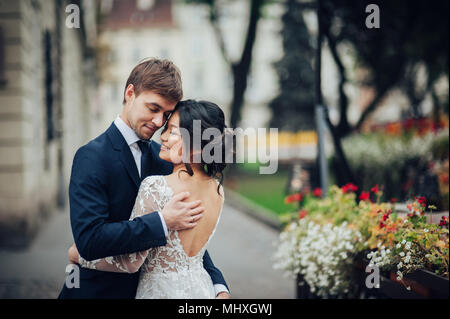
x=424 y=285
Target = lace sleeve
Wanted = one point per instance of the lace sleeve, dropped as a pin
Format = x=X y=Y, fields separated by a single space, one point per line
x=129 y=263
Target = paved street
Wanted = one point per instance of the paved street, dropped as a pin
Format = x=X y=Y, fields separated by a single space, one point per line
x=241 y=249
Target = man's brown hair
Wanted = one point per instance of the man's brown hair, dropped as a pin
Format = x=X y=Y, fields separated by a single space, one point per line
x=160 y=76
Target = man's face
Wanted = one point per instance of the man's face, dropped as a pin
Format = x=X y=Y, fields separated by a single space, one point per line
x=147 y=112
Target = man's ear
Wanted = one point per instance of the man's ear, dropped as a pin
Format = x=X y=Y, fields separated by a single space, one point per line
x=129 y=92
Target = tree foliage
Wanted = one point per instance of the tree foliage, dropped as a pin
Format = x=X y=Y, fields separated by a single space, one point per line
x=293 y=108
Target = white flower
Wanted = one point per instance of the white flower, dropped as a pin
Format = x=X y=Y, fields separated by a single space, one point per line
x=403 y=241
x=425 y=230
x=402 y=254
x=321 y=254
x=399 y=265
x=398 y=245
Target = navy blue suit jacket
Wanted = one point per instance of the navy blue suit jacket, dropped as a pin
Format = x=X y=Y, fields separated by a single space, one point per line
x=103 y=187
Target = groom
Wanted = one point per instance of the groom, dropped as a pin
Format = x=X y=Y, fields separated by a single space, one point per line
x=105 y=179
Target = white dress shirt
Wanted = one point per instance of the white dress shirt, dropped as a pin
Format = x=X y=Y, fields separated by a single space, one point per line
x=131 y=138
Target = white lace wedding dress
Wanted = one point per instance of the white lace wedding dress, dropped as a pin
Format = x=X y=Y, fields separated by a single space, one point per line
x=166 y=271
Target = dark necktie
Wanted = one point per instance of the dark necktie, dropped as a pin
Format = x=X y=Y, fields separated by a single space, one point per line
x=145 y=160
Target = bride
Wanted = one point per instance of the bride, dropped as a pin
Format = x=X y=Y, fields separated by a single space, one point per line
x=176 y=270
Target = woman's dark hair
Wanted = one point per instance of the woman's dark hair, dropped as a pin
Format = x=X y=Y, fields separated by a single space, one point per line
x=210 y=117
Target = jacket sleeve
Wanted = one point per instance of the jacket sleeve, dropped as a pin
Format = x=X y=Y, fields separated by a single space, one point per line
x=127 y=263
x=94 y=236
x=214 y=273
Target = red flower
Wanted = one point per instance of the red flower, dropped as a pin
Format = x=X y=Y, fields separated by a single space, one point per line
x=317 y=192
x=293 y=198
x=302 y=213
x=382 y=225
x=408 y=124
x=386 y=214
x=364 y=196
x=444 y=178
x=422 y=200
x=444 y=221
x=375 y=189
x=394 y=200
x=349 y=188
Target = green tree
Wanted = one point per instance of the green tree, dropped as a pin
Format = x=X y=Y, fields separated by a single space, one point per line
x=412 y=35
x=239 y=69
x=293 y=108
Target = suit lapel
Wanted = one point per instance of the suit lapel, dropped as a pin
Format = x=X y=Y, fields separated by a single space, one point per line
x=127 y=159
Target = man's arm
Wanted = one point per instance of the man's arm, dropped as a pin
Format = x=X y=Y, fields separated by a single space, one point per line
x=94 y=237
x=220 y=285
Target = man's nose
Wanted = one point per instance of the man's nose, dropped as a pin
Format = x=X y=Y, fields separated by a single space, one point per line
x=158 y=120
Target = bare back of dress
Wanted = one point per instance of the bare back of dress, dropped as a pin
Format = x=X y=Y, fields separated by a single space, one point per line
x=168 y=272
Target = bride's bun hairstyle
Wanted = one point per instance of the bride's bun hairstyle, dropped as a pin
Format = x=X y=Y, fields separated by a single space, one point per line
x=211 y=116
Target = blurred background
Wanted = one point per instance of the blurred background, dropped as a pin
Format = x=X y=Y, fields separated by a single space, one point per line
x=353 y=101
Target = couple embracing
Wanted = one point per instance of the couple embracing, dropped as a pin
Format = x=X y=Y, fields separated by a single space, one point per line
x=142 y=214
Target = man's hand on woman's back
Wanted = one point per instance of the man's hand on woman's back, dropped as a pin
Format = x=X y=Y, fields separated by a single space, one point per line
x=179 y=214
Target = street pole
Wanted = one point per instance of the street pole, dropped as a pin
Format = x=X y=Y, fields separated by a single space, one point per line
x=319 y=109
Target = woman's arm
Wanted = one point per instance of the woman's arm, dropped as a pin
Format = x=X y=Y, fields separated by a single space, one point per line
x=125 y=263
x=94 y=235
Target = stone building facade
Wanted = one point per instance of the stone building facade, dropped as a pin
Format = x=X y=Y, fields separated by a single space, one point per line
x=47 y=89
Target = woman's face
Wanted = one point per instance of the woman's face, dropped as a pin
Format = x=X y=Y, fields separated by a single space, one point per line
x=171 y=141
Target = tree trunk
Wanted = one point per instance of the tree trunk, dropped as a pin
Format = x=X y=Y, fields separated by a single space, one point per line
x=345 y=173
x=240 y=70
